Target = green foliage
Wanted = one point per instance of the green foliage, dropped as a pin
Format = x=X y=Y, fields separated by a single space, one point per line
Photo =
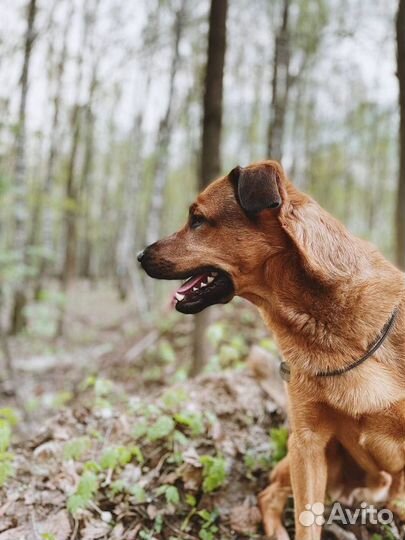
x=9 y=415
x=171 y=494
x=139 y=493
x=214 y=472
x=255 y=461
x=84 y=494
x=194 y=421
x=174 y=397
x=115 y=457
x=162 y=428
x=5 y=435
x=75 y=448
x=48 y=536
x=208 y=530
x=279 y=440
x=191 y=500
x=140 y=429
x=166 y=352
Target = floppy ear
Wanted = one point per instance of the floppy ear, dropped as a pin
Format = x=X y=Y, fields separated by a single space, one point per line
x=258 y=186
x=328 y=251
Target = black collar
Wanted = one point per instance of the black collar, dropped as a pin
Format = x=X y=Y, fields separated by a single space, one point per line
x=285 y=371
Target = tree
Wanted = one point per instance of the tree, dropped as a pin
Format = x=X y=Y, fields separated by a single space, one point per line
x=160 y=169
x=400 y=214
x=20 y=202
x=211 y=139
x=281 y=82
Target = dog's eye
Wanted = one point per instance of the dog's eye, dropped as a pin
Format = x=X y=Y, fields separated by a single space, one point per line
x=196 y=221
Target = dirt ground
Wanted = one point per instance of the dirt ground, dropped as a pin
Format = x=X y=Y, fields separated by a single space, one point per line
x=117 y=443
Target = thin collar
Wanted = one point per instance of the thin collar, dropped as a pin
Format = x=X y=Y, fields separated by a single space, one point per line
x=285 y=371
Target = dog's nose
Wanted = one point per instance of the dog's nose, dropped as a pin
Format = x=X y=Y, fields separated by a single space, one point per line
x=140 y=255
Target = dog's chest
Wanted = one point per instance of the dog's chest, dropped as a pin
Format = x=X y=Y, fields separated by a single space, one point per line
x=365 y=391
x=383 y=437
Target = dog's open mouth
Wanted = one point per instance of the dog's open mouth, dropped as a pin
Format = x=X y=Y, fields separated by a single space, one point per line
x=204 y=289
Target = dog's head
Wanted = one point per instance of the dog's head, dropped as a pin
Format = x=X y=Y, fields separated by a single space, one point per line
x=231 y=232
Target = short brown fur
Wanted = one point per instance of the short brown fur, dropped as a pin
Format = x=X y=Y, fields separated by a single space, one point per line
x=325 y=295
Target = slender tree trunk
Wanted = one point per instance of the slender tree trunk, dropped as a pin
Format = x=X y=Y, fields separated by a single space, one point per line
x=70 y=217
x=281 y=81
x=163 y=139
x=20 y=203
x=85 y=180
x=48 y=214
x=400 y=214
x=211 y=141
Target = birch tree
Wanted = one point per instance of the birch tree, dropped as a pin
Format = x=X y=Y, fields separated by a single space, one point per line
x=20 y=173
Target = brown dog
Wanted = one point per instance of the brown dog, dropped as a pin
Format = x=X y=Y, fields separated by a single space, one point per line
x=328 y=297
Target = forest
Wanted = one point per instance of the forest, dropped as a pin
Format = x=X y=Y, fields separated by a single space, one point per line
x=119 y=417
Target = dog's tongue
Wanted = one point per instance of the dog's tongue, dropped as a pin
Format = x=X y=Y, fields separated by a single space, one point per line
x=190 y=283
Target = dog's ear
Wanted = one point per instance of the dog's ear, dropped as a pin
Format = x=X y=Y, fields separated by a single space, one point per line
x=258 y=186
x=328 y=251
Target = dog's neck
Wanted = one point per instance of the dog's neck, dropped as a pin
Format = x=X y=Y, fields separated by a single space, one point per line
x=323 y=328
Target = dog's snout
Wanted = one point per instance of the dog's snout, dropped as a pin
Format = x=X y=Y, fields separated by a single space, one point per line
x=140 y=255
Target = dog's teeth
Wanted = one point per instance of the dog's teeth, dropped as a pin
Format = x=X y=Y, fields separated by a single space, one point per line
x=203 y=284
x=179 y=296
x=195 y=288
x=210 y=279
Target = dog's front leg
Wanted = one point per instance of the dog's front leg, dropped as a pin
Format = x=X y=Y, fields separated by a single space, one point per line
x=307 y=451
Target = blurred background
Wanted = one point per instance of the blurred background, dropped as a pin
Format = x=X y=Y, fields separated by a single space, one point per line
x=114 y=114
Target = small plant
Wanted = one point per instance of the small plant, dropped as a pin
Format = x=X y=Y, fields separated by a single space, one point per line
x=194 y=421
x=171 y=494
x=208 y=529
x=114 y=457
x=279 y=440
x=161 y=428
x=214 y=472
x=6 y=458
x=139 y=493
x=85 y=493
x=75 y=448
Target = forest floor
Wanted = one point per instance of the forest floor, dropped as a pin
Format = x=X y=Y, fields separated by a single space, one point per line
x=117 y=443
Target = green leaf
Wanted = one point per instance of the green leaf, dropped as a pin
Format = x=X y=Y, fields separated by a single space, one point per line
x=194 y=421
x=279 y=440
x=214 y=472
x=85 y=492
x=5 y=435
x=75 y=448
x=161 y=428
x=172 y=495
x=10 y=415
x=139 y=493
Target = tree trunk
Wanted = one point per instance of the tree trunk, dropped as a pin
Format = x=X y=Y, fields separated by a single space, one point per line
x=48 y=216
x=400 y=214
x=70 y=216
x=20 y=203
x=211 y=142
x=281 y=76
x=163 y=139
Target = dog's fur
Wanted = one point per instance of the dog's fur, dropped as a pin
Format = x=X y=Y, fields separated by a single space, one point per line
x=325 y=295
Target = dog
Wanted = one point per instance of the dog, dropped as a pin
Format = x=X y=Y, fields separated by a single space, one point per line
x=336 y=307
